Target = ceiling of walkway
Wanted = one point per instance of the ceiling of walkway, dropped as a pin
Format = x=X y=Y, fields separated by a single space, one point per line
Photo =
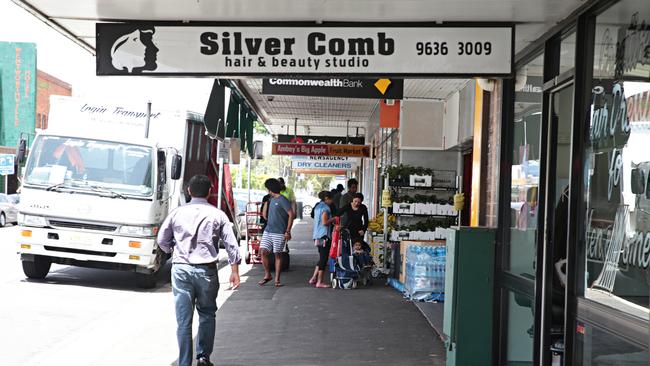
x=318 y=115
x=77 y=18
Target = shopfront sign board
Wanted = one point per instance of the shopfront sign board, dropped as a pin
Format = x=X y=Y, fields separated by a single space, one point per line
x=338 y=140
x=270 y=49
x=336 y=87
x=322 y=164
x=346 y=159
x=359 y=151
x=7 y=164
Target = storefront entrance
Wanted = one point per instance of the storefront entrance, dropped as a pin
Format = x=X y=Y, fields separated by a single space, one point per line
x=573 y=247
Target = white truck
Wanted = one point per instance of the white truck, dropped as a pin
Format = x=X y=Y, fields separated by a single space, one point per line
x=95 y=189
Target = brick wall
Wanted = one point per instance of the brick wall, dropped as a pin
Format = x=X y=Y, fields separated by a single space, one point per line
x=47 y=85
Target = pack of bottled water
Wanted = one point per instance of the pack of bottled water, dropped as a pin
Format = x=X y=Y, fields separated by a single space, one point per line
x=425 y=273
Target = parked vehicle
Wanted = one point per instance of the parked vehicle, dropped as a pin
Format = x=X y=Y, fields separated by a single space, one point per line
x=8 y=210
x=95 y=189
x=15 y=198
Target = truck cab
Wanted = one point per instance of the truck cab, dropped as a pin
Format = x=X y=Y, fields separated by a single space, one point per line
x=94 y=202
x=95 y=189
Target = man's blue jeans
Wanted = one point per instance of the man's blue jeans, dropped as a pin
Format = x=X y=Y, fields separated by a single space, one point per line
x=195 y=285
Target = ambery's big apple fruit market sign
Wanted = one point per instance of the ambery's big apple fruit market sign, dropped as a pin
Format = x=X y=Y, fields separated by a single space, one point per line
x=289 y=49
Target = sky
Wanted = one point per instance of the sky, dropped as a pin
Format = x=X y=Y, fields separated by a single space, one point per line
x=60 y=57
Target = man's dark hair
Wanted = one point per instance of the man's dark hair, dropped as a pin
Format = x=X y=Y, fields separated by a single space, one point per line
x=281 y=180
x=273 y=185
x=325 y=194
x=352 y=182
x=339 y=187
x=199 y=186
x=358 y=195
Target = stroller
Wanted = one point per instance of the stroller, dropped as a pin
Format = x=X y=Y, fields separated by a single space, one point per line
x=345 y=272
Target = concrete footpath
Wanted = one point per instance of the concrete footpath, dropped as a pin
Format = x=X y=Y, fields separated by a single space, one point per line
x=301 y=325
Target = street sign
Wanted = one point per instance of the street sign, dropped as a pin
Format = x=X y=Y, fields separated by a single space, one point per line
x=340 y=88
x=358 y=151
x=7 y=164
x=337 y=140
x=273 y=49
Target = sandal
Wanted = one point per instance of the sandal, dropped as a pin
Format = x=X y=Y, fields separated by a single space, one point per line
x=264 y=281
x=312 y=281
x=278 y=284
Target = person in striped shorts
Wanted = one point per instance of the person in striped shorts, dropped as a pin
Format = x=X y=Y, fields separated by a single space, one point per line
x=279 y=215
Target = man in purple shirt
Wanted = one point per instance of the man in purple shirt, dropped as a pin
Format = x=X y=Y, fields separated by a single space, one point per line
x=192 y=233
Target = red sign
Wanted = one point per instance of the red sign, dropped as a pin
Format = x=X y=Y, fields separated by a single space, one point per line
x=358 y=151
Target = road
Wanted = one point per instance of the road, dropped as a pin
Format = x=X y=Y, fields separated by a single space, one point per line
x=81 y=316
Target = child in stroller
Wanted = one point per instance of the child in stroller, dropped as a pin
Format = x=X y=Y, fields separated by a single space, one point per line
x=361 y=253
x=348 y=268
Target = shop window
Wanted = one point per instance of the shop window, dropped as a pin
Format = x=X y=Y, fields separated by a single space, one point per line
x=568 y=53
x=525 y=169
x=617 y=163
x=597 y=347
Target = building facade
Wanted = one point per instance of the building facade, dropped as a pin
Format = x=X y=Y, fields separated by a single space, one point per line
x=47 y=85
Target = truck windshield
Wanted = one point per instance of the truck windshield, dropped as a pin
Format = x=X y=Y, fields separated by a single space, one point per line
x=82 y=164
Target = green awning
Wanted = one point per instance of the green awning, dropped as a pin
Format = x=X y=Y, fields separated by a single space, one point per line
x=232 y=118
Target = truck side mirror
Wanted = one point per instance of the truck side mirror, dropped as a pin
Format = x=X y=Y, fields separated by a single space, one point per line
x=177 y=167
x=637 y=181
x=21 y=151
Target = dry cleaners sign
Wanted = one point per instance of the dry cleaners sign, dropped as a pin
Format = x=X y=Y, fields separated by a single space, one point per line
x=250 y=50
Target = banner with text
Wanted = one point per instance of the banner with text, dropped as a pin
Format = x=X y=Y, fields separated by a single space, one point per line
x=337 y=140
x=338 y=88
x=376 y=49
x=359 y=151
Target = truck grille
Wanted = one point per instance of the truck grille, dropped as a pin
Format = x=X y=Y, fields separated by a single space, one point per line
x=82 y=226
x=80 y=251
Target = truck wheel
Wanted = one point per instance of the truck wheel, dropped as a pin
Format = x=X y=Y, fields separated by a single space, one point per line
x=3 y=220
x=37 y=269
x=146 y=280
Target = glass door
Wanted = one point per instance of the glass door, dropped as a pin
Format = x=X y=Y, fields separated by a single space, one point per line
x=555 y=223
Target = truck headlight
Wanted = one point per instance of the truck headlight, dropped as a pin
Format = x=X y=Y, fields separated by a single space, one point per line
x=30 y=220
x=139 y=230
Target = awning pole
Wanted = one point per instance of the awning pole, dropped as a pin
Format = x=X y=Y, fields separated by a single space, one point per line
x=147 y=120
x=295 y=127
x=347 y=132
x=220 y=162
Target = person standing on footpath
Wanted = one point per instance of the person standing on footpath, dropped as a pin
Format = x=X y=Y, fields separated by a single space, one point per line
x=346 y=199
x=288 y=194
x=336 y=195
x=192 y=233
x=277 y=233
x=322 y=237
